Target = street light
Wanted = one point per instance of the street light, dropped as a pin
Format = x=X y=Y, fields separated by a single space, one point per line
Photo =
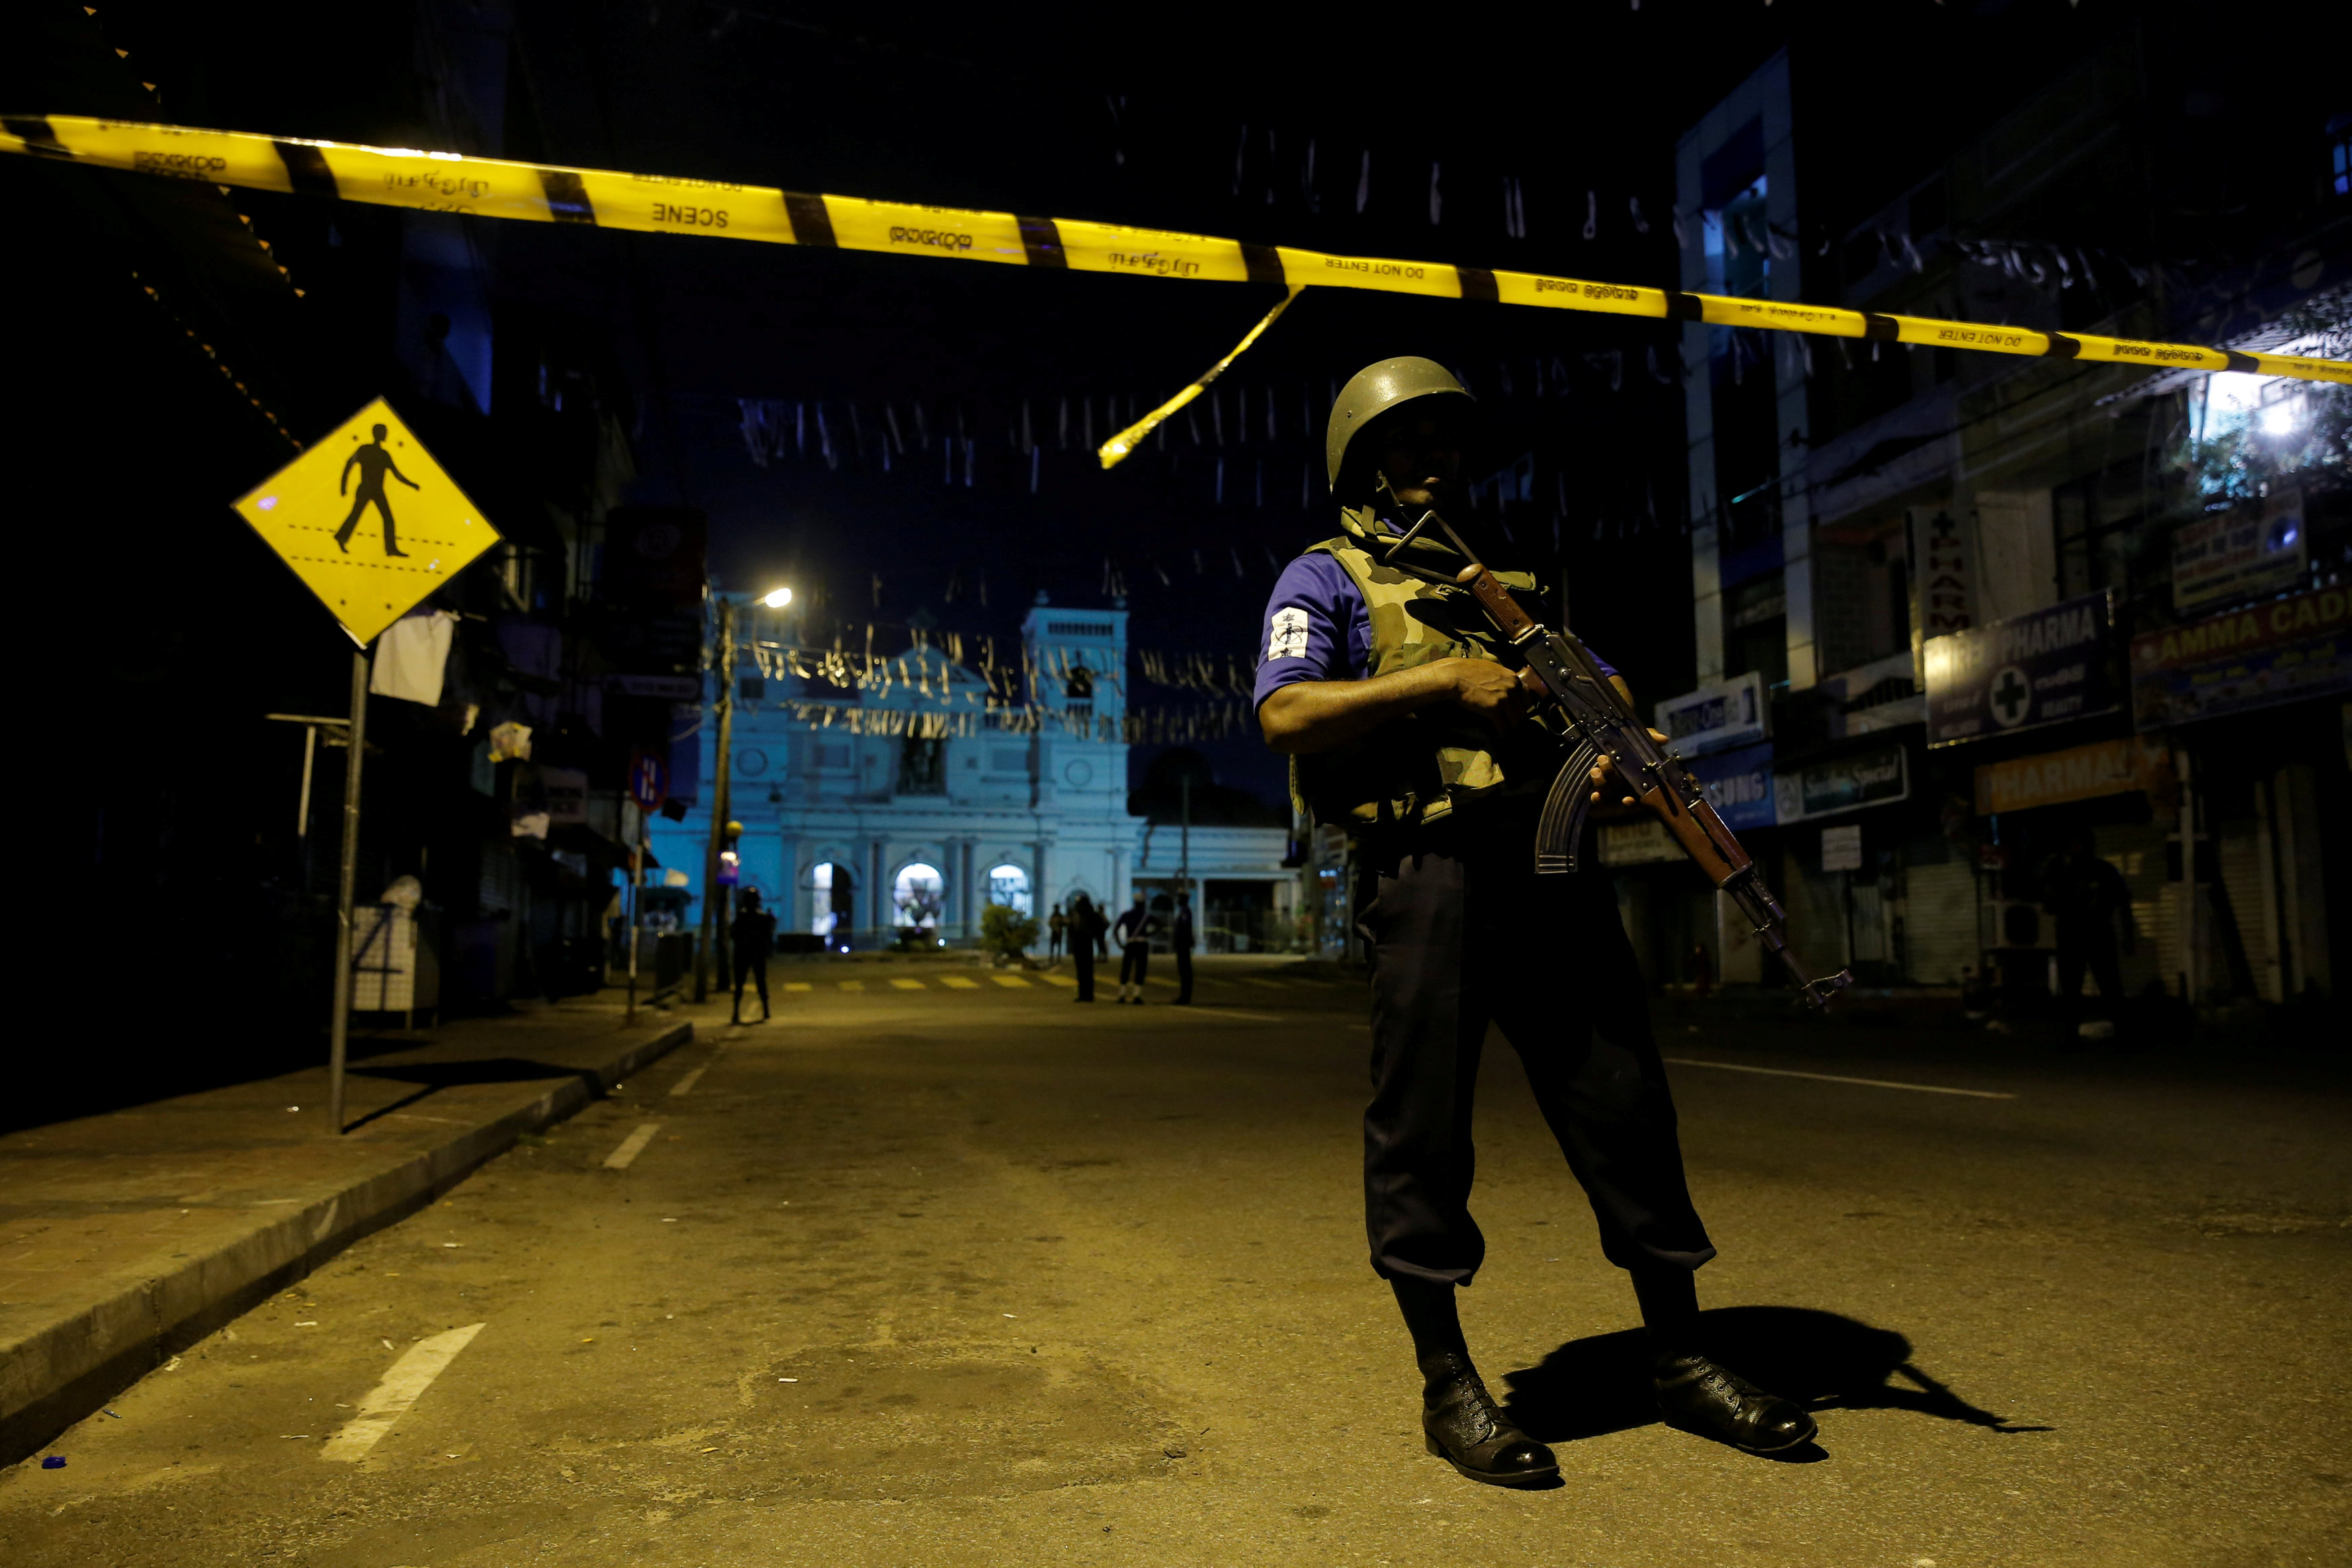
x=778 y=598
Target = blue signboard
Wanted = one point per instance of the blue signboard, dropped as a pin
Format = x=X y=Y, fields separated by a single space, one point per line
x=2047 y=666
x=1739 y=785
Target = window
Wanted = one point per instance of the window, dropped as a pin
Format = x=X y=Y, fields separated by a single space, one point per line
x=1756 y=629
x=918 y=897
x=1008 y=885
x=830 y=903
x=922 y=766
x=1738 y=243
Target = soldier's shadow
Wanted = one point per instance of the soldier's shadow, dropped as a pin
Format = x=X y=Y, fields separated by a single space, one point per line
x=1592 y=1386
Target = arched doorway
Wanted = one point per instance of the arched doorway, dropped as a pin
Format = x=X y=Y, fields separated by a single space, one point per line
x=833 y=903
x=1008 y=884
x=917 y=898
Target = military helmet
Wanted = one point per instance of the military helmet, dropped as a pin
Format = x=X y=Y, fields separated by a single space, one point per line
x=1374 y=390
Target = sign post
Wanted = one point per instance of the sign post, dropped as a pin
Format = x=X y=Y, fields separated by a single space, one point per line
x=338 y=1029
x=317 y=501
x=648 y=788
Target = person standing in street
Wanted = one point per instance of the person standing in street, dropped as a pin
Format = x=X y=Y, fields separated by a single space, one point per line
x=1406 y=721
x=1134 y=933
x=1085 y=934
x=1179 y=939
x=1054 y=929
x=2091 y=902
x=755 y=938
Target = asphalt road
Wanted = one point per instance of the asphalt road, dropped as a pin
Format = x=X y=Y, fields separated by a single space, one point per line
x=979 y=1275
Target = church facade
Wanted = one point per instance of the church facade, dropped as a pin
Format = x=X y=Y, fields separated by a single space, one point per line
x=908 y=802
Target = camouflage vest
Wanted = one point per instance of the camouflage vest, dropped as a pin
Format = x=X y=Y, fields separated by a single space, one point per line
x=1419 y=767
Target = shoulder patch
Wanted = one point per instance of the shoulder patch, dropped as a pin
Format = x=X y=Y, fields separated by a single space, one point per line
x=1288 y=639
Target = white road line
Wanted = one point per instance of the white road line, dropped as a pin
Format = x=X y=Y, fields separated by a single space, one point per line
x=686 y=1084
x=410 y=1376
x=1235 y=1013
x=1834 y=1078
x=632 y=1147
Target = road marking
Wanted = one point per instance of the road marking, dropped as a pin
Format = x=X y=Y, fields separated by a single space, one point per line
x=853 y=985
x=1013 y=980
x=1269 y=984
x=686 y=1084
x=799 y=986
x=1059 y=980
x=1834 y=1078
x=906 y=985
x=1235 y=1013
x=410 y=1376
x=958 y=982
x=632 y=1147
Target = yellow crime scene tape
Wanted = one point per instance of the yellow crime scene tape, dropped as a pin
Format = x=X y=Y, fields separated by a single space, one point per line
x=657 y=203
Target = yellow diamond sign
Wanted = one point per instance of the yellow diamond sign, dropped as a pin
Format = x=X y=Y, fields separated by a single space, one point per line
x=368 y=521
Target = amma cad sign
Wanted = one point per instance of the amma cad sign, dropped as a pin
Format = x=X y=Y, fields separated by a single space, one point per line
x=368 y=521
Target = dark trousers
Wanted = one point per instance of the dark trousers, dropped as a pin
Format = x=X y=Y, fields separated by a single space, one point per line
x=1183 y=974
x=1084 y=956
x=1462 y=932
x=1133 y=961
x=2095 y=952
x=752 y=967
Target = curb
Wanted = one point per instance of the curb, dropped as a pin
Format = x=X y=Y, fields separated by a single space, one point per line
x=63 y=1372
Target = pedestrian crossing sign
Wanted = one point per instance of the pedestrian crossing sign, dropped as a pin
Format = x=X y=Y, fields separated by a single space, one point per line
x=368 y=521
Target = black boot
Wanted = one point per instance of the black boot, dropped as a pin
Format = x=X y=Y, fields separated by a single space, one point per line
x=1697 y=1396
x=1461 y=1424
x=1459 y=1420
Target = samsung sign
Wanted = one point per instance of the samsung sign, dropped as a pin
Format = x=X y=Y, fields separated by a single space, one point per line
x=1739 y=785
x=1718 y=715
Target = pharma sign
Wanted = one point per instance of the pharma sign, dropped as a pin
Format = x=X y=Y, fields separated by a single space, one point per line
x=2046 y=667
x=2251 y=553
x=1877 y=777
x=2078 y=773
x=2276 y=653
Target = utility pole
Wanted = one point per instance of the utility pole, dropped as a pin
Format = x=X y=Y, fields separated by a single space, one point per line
x=1184 y=843
x=339 y=1031
x=720 y=803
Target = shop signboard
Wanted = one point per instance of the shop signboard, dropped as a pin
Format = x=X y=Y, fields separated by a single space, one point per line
x=1842 y=847
x=1719 y=713
x=2254 y=658
x=1641 y=843
x=2078 y=773
x=566 y=793
x=1739 y=785
x=1876 y=777
x=2047 y=666
x=2251 y=552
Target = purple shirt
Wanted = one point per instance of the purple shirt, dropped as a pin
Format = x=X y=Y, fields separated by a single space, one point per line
x=1317 y=628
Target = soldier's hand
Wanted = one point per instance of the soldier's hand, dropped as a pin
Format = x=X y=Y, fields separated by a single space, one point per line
x=1487 y=689
x=1606 y=777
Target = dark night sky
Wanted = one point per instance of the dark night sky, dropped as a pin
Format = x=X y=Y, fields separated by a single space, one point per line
x=1210 y=134
x=1173 y=119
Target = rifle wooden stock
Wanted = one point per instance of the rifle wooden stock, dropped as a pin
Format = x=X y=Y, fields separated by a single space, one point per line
x=1602 y=724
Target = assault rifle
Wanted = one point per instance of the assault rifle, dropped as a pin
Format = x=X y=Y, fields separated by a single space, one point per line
x=1602 y=723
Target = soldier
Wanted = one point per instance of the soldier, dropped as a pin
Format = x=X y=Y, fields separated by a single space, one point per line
x=1405 y=718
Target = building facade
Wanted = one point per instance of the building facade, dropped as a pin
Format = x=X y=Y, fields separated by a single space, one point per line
x=1935 y=592
x=908 y=797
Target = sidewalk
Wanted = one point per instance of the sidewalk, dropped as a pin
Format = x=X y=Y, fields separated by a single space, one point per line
x=126 y=1237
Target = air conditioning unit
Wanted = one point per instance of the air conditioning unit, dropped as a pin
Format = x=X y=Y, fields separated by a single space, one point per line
x=2018 y=923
